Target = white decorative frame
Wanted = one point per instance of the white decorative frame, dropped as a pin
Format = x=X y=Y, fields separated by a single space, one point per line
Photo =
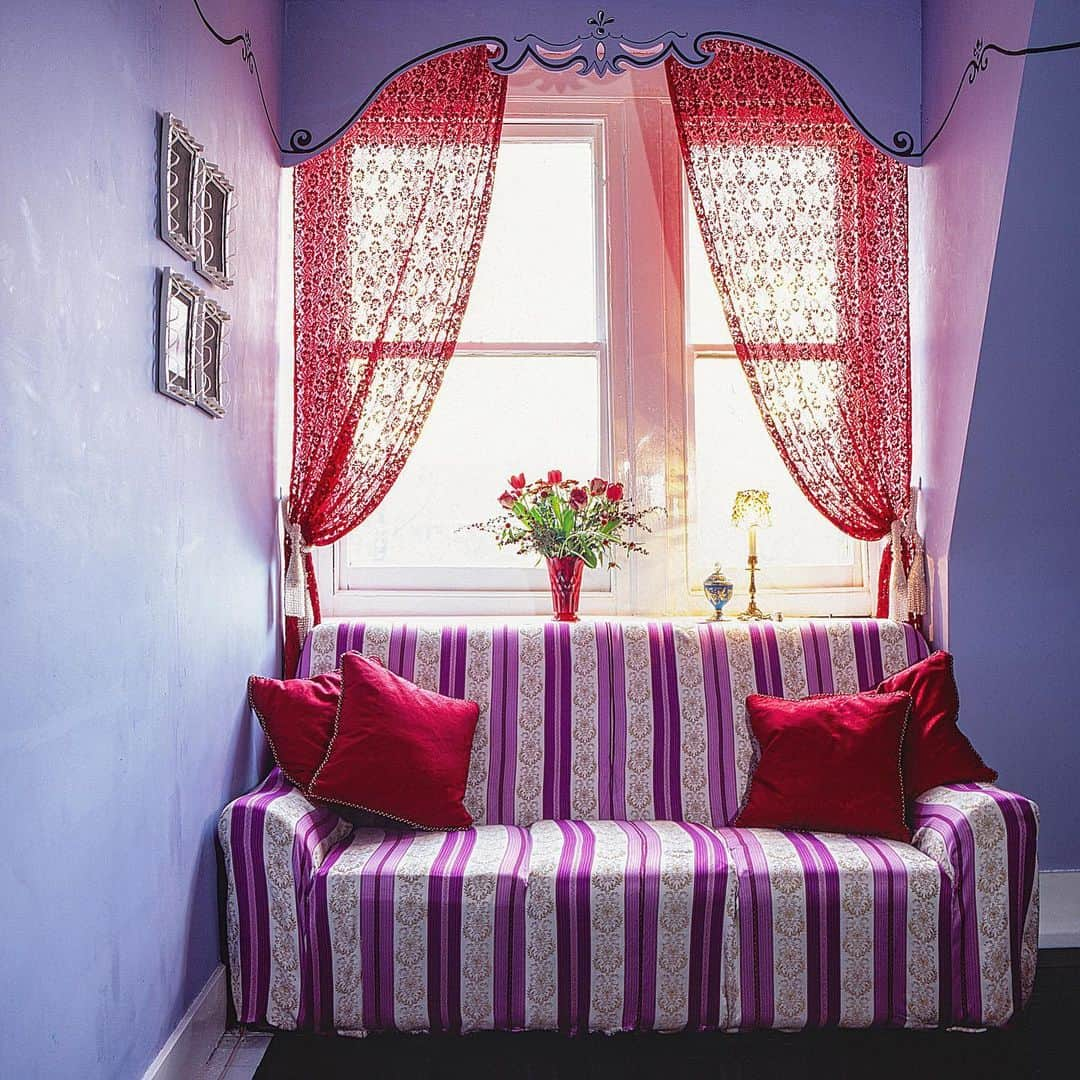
x=213 y=202
x=212 y=348
x=178 y=333
x=178 y=174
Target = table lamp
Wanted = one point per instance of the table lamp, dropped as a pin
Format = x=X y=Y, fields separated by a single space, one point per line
x=752 y=511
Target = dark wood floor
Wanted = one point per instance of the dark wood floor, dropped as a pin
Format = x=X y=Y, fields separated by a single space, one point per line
x=1043 y=1043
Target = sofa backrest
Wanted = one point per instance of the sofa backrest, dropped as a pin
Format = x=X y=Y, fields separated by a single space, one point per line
x=619 y=719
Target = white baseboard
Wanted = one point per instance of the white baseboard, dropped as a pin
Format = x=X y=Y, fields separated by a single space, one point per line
x=192 y=1041
x=1059 y=909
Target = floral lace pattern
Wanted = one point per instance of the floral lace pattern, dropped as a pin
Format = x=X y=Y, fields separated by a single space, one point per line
x=805 y=226
x=388 y=226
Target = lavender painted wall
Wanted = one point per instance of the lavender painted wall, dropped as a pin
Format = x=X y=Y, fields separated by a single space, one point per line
x=137 y=532
x=338 y=51
x=1013 y=566
x=955 y=207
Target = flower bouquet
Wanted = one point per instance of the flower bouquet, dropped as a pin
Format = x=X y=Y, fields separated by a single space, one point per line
x=570 y=524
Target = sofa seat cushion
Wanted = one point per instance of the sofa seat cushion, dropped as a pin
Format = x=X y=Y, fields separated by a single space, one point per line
x=421 y=931
x=565 y=925
x=838 y=930
x=629 y=925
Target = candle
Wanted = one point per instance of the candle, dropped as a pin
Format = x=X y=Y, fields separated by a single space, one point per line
x=753 y=541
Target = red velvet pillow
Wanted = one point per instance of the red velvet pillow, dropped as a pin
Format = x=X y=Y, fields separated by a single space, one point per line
x=829 y=763
x=935 y=749
x=297 y=716
x=398 y=750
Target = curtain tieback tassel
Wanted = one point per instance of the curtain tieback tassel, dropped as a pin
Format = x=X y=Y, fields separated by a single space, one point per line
x=898 y=583
x=917 y=586
x=297 y=602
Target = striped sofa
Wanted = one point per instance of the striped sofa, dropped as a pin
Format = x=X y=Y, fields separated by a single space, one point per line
x=603 y=887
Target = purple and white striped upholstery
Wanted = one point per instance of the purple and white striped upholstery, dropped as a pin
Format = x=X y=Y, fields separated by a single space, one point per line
x=619 y=720
x=629 y=926
x=603 y=888
x=838 y=930
x=422 y=931
x=984 y=839
x=273 y=841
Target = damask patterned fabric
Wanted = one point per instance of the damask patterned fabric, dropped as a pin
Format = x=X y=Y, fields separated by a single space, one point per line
x=388 y=225
x=629 y=926
x=619 y=719
x=422 y=931
x=603 y=888
x=985 y=841
x=805 y=225
x=273 y=841
x=838 y=930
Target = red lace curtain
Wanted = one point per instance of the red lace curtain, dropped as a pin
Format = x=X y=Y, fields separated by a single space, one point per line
x=388 y=226
x=805 y=225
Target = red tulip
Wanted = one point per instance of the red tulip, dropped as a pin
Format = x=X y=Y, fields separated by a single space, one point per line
x=579 y=498
x=597 y=486
x=554 y=476
x=507 y=499
x=518 y=482
x=615 y=492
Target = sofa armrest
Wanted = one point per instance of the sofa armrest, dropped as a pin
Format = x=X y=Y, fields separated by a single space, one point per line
x=273 y=840
x=985 y=841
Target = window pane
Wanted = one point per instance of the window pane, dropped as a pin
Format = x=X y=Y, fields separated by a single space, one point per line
x=536 y=279
x=734 y=451
x=493 y=416
x=706 y=324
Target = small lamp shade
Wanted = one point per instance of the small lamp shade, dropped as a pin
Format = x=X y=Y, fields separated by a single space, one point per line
x=751 y=508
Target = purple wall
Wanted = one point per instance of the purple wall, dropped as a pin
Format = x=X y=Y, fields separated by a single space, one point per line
x=1013 y=565
x=137 y=532
x=338 y=51
x=955 y=206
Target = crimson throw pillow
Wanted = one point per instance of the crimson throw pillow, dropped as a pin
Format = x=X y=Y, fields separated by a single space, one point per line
x=936 y=751
x=398 y=750
x=829 y=763
x=297 y=716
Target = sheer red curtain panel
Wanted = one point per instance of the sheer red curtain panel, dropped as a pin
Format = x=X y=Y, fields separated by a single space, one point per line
x=388 y=226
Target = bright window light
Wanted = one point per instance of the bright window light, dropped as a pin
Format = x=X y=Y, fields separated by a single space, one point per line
x=493 y=415
x=537 y=275
x=523 y=391
x=734 y=451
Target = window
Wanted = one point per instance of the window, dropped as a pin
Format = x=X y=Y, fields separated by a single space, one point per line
x=732 y=450
x=594 y=342
x=528 y=375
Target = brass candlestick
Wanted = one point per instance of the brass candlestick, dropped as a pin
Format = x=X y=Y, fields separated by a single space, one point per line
x=752 y=612
x=752 y=511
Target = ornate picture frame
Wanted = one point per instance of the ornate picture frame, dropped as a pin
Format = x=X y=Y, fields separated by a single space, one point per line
x=178 y=172
x=212 y=348
x=213 y=208
x=178 y=332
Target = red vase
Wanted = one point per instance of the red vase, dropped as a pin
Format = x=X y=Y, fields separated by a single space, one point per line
x=565 y=577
